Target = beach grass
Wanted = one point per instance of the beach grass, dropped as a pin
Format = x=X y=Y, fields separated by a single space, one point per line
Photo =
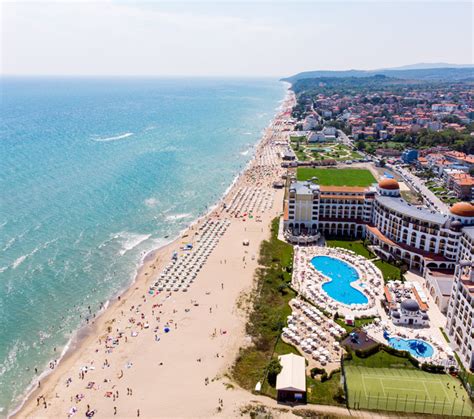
x=336 y=177
x=268 y=317
x=270 y=309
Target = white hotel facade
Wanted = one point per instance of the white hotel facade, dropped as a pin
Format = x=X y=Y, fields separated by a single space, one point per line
x=425 y=240
x=420 y=237
x=460 y=316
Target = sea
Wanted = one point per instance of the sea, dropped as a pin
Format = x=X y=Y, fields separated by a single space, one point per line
x=94 y=174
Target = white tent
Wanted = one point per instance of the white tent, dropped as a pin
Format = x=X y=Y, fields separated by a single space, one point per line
x=292 y=376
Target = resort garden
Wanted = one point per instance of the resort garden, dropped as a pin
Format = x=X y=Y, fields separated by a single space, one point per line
x=322 y=151
x=375 y=377
x=389 y=271
x=336 y=177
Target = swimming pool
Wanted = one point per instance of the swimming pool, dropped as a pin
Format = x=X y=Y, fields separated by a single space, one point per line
x=341 y=275
x=416 y=347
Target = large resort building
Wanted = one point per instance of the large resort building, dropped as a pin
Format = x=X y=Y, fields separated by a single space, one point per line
x=330 y=210
x=434 y=244
x=421 y=238
x=460 y=316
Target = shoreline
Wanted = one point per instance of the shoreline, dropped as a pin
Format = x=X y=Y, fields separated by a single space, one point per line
x=148 y=265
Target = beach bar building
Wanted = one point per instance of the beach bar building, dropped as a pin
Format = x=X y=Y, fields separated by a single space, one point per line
x=291 y=382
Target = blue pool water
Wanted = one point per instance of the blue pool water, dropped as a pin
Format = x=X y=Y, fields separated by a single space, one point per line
x=341 y=275
x=416 y=347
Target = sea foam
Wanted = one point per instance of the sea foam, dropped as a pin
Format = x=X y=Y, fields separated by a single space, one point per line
x=176 y=217
x=114 y=138
x=130 y=240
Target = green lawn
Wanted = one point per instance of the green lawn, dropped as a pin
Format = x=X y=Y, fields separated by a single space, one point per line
x=381 y=359
x=300 y=155
x=354 y=245
x=355 y=155
x=389 y=271
x=358 y=323
x=337 y=177
x=406 y=390
x=318 y=392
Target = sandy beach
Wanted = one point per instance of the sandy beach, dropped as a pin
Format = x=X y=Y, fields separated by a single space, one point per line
x=166 y=353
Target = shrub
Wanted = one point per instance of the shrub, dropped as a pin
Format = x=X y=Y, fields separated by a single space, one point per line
x=324 y=377
x=282 y=289
x=432 y=368
x=401 y=354
x=316 y=371
x=340 y=396
x=273 y=369
x=396 y=352
x=348 y=354
x=368 y=352
x=414 y=361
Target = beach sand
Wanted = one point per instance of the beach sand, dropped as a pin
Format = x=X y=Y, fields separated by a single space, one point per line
x=182 y=373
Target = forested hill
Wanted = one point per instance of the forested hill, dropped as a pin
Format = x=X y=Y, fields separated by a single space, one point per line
x=427 y=74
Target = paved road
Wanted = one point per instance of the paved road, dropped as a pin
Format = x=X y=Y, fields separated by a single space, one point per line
x=417 y=184
x=345 y=139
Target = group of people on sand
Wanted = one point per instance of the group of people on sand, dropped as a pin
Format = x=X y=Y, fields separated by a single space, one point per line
x=149 y=317
x=136 y=318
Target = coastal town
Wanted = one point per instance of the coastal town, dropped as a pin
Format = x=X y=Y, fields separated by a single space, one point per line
x=237 y=209
x=335 y=277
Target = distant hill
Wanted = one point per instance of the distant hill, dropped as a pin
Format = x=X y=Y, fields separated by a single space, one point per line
x=426 y=74
x=425 y=66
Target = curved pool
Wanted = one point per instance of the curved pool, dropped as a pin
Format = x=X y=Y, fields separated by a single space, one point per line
x=416 y=347
x=341 y=275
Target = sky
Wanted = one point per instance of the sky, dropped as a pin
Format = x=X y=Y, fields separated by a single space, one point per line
x=240 y=38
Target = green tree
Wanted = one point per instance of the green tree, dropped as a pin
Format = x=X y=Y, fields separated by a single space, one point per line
x=360 y=145
x=273 y=369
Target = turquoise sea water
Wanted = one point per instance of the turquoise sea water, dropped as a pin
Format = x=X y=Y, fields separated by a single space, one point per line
x=341 y=275
x=93 y=174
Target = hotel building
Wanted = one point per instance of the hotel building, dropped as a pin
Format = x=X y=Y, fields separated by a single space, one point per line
x=330 y=210
x=427 y=241
x=423 y=239
x=460 y=316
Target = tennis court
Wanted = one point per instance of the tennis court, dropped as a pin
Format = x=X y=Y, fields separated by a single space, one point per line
x=405 y=390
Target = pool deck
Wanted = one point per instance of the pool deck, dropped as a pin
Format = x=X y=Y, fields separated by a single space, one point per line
x=430 y=334
x=309 y=281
